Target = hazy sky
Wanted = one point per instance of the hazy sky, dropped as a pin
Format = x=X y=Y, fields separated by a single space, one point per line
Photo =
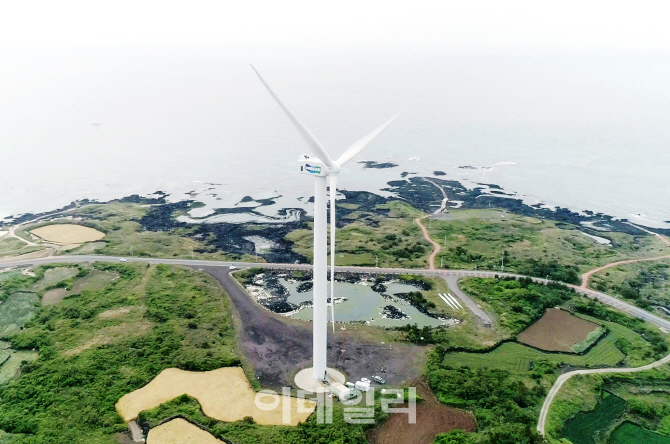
x=342 y=25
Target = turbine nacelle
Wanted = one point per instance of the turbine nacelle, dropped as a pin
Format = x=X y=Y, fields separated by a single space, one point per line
x=313 y=166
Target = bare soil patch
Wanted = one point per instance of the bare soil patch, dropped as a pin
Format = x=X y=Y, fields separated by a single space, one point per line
x=68 y=234
x=224 y=394
x=54 y=296
x=432 y=418
x=557 y=330
x=277 y=347
x=180 y=431
x=118 y=312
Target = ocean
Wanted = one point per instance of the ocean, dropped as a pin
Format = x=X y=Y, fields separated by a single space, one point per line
x=582 y=131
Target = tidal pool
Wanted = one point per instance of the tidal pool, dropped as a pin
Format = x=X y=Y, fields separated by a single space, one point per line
x=364 y=304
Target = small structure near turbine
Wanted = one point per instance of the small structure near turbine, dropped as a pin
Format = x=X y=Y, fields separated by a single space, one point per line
x=324 y=170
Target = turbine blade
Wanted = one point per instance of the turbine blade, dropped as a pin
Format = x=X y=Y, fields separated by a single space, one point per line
x=307 y=136
x=359 y=146
x=333 y=194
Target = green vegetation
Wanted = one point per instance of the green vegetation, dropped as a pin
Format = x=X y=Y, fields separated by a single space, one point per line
x=645 y=284
x=598 y=310
x=11 y=246
x=16 y=311
x=247 y=432
x=394 y=241
x=579 y=393
x=506 y=406
x=590 y=339
x=512 y=356
x=536 y=247
x=518 y=303
x=629 y=433
x=581 y=428
x=91 y=353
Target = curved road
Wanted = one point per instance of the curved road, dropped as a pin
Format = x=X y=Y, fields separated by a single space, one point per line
x=436 y=246
x=564 y=377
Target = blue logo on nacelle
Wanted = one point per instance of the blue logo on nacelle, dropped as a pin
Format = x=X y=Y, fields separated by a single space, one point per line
x=313 y=169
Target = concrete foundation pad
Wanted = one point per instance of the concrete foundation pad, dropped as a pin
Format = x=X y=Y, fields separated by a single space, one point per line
x=304 y=380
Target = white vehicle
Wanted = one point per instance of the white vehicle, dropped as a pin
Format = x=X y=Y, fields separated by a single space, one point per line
x=123 y=259
x=232 y=267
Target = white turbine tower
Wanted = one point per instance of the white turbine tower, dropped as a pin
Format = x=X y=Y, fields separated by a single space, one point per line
x=324 y=169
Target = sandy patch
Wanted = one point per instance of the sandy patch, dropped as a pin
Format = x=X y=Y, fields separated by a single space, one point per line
x=109 y=335
x=224 y=394
x=180 y=431
x=68 y=234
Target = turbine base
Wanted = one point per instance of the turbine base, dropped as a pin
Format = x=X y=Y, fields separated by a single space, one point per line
x=304 y=380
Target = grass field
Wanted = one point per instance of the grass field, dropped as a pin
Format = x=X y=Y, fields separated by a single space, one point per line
x=55 y=275
x=478 y=237
x=582 y=427
x=519 y=358
x=629 y=433
x=11 y=366
x=180 y=431
x=67 y=234
x=224 y=394
x=16 y=311
x=10 y=246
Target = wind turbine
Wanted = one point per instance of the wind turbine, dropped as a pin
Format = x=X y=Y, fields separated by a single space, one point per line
x=325 y=171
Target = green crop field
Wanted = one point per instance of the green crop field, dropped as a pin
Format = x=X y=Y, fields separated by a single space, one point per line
x=581 y=428
x=55 y=275
x=517 y=357
x=11 y=366
x=18 y=309
x=629 y=433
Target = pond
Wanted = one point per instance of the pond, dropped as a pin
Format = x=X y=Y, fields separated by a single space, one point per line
x=358 y=302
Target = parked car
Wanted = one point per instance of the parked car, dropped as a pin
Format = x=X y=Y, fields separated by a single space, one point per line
x=232 y=267
x=379 y=379
x=123 y=259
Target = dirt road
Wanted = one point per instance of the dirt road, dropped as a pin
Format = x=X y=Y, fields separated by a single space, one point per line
x=586 y=276
x=436 y=246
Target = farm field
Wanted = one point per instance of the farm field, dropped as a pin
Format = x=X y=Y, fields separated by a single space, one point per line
x=16 y=311
x=55 y=275
x=581 y=428
x=432 y=418
x=224 y=394
x=11 y=366
x=516 y=357
x=558 y=330
x=67 y=234
x=180 y=431
x=629 y=433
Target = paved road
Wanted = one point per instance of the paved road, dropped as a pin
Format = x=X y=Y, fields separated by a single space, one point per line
x=455 y=274
x=452 y=281
x=564 y=377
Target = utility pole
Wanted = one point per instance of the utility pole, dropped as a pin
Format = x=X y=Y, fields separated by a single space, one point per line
x=376 y=261
x=441 y=264
x=502 y=262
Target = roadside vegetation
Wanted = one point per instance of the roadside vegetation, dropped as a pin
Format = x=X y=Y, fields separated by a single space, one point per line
x=489 y=239
x=645 y=284
x=613 y=408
